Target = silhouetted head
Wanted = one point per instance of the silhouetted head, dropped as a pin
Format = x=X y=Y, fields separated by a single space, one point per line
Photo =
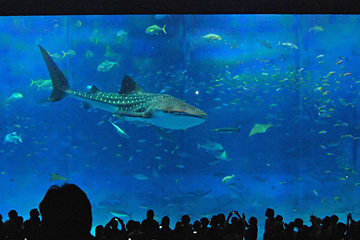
x=197 y=225
x=334 y=219
x=0 y=217
x=204 y=222
x=253 y=221
x=136 y=225
x=185 y=219
x=150 y=214
x=298 y=222
x=99 y=231
x=221 y=218
x=66 y=213
x=12 y=214
x=130 y=225
x=214 y=221
x=34 y=213
x=326 y=221
x=165 y=221
x=279 y=218
x=113 y=223
x=270 y=213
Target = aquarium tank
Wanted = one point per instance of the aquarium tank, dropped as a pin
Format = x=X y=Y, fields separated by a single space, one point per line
x=182 y=114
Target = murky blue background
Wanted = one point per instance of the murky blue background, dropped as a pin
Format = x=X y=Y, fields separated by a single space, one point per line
x=298 y=73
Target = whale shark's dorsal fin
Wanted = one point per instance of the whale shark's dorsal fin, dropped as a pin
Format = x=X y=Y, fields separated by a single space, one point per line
x=128 y=86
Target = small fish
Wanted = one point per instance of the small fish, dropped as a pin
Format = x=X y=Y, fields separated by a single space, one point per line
x=56 y=56
x=223 y=156
x=289 y=44
x=322 y=132
x=227 y=179
x=120 y=214
x=96 y=36
x=315 y=192
x=211 y=146
x=70 y=53
x=78 y=23
x=212 y=36
x=320 y=56
x=55 y=176
x=339 y=62
x=227 y=130
x=15 y=96
x=330 y=73
x=164 y=134
x=316 y=29
x=42 y=83
x=106 y=66
x=88 y=54
x=323 y=200
x=140 y=176
x=119 y=131
x=155 y=29
x=265 y=44
x=12 y=137
x=120 y=36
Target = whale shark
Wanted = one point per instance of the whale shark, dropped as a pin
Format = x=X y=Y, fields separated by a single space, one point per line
x=131 y=103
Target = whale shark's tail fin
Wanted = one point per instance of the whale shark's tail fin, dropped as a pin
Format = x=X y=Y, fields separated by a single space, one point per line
x=59 y=81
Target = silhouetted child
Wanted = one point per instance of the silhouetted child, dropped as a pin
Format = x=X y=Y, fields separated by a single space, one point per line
x=251 y=231
x=66 y=214
x=269 y=222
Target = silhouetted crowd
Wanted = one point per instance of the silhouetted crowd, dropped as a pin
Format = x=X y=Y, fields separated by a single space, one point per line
x=66 y=215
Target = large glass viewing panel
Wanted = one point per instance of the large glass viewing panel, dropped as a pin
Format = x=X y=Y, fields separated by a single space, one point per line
x=281 y=94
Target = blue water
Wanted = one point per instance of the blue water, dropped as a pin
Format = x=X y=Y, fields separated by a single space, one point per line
x=306 y=161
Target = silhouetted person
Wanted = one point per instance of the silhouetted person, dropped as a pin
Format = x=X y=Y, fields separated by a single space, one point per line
x=214 y=232
x=165 y=232
x=130 y=226
x=269 y=222
x=136 y=234
x=186 y=230
x=111 y=230
x=10 y=223
x=221 y=220
x=196 y=231
x=149 y=226
x=204 y=226
x=301 y=233
x=251 y=230
x=17 y=232
x=32 y=226
x=2 y=228
x=66 y=214
x=99 y=230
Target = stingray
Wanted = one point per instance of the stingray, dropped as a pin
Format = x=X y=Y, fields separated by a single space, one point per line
x=259 y=128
